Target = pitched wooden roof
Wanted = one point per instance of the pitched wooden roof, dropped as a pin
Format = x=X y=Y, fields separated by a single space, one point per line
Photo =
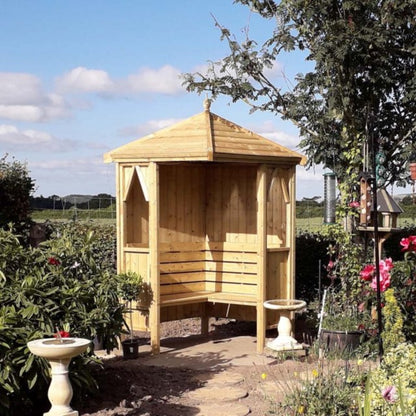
x=206 y=137
x=386 y=203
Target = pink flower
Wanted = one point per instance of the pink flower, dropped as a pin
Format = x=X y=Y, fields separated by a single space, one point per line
x=354 y=204
x=386 y=265
x=330 y=265
x=408 y=244
x=368 y=272
x=389 y=393
x=384 y=282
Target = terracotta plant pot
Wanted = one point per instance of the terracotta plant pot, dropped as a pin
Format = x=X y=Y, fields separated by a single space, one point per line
x=413 y=170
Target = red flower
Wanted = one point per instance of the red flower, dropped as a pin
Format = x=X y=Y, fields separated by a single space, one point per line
x=408 y=244
x=368 y=272
x=62 y=334
x=53 y=261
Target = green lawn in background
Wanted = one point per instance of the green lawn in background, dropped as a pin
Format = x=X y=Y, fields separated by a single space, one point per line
x=107 y=216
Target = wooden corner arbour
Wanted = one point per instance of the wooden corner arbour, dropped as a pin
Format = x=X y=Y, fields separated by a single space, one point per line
x=206 y=214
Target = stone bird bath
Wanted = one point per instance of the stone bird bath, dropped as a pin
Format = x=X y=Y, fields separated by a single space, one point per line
x=284 y=340
x=59 y=352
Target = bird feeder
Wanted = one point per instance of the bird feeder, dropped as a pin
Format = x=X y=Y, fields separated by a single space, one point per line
x=329 y=197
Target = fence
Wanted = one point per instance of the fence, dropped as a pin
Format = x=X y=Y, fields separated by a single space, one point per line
x=74 y=208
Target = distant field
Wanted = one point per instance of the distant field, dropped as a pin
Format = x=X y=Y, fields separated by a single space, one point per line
x=309 y=224
x=107 y=216
x=316 y=224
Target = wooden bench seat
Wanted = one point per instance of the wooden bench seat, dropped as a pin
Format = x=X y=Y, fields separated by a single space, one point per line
x=207 y=296
x=176 y=299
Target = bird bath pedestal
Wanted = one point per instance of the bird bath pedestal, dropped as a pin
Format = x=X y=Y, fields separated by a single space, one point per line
x=284 y=340
x=59 y=353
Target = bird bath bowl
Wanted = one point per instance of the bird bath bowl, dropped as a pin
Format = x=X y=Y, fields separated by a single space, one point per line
x=284 y=340
x=59 y=353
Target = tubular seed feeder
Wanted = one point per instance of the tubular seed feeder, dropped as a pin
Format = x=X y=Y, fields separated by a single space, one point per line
x=329 y=197
x=206 y=214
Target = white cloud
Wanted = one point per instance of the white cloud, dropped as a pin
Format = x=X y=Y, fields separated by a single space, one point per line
x=13 y=139
x=165 y=80
x=22 y=98
x=81 y=79
x=147 y=128
x=20 y=88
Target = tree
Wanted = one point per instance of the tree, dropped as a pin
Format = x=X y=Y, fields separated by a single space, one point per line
x=363 y=82
x=16 y=187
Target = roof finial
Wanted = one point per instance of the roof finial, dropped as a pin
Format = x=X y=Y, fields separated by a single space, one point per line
x=207 y=104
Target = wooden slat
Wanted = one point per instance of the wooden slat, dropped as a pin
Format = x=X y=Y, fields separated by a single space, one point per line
x=235 y=288
x=272 y=249
x=192 y=266
x=231 y=256
x=227 y=246
x=250 y=279
x=174 y=278
x=184 y=298
x=231 y=267
x=136 y=248
x=177 y=257
x=234 y=299
x=208 y=296
x=180 y=247
x=182 y=288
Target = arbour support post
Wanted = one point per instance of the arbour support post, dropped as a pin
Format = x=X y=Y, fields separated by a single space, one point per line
x=154 y=214
x=261 y=254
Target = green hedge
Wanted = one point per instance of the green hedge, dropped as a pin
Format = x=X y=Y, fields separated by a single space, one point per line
x=311 y=260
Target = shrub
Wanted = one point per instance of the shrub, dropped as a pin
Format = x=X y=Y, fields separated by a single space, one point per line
x=396 y=370
x=326 y=391
x=16 y=187
x=65 y=282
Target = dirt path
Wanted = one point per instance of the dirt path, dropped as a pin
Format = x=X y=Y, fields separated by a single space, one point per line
x=135 y=387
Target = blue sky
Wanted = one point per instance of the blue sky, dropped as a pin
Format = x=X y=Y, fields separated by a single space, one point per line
x=80 y=78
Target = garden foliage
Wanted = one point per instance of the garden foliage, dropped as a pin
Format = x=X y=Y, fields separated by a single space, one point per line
x=361 y=80
x=16 y=186
x=68 y=282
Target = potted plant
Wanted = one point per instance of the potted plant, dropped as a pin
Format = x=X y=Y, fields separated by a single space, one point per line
x=345 y=313
x=132 y=288
x=343 y=323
